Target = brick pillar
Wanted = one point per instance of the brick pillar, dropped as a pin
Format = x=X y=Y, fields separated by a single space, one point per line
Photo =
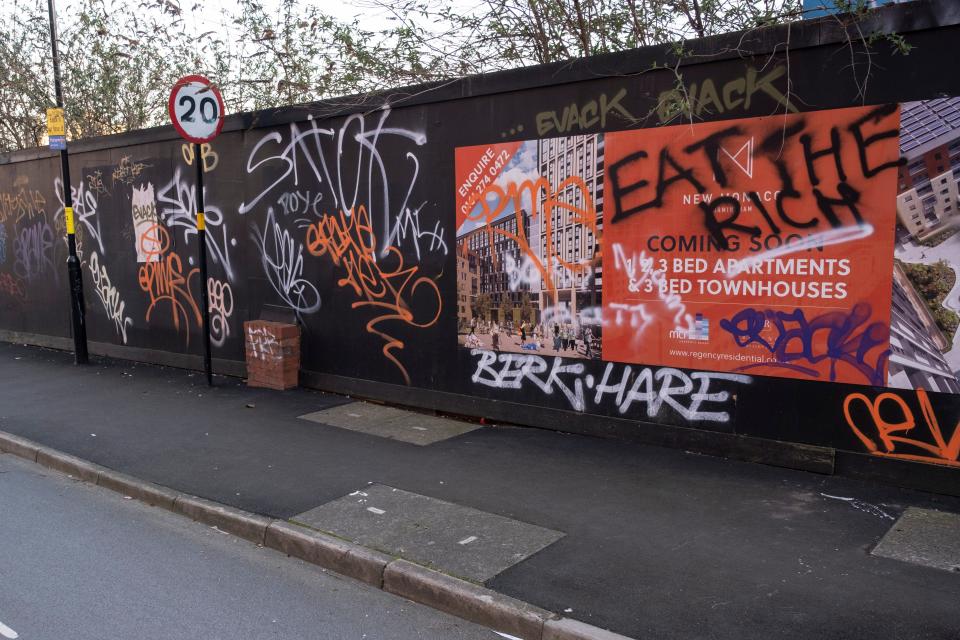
x=273 y=354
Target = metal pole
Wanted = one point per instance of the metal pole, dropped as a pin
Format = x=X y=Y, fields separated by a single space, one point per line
x=74 y=276
x=202 y=239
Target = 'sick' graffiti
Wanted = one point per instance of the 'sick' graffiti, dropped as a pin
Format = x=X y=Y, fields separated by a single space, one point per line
x=349 y=240
x=891 y=436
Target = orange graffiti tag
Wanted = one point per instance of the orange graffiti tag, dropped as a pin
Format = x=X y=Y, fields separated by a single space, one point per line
x=350 y=242
x=164 y=280
x=495 y=199
x=12 y=286
x=941 y=451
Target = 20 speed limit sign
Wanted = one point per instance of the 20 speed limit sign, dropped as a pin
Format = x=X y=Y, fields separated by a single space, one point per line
x=196 y=109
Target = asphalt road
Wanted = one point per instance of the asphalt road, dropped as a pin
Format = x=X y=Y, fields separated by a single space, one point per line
x=78 y=562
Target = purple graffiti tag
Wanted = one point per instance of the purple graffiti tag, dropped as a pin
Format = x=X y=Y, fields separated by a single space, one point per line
x=796 y=341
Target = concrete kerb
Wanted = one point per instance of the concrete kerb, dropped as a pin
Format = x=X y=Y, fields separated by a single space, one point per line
x=152 y=494
x=399 y=577
x=242 y=524
x=21 y=447
x=569 y=629
x=70 y=465
x=315 y=547
x=465 y=600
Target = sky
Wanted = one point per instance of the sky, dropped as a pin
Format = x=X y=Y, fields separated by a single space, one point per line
x=215 y=14
x=523 y=166
x=374 y=17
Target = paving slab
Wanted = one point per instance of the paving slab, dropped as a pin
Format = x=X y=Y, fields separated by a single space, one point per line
x=924 y=536
x=391 y=423
x=457 y=540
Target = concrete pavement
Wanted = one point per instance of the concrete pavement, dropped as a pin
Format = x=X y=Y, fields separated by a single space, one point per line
x=657 y=543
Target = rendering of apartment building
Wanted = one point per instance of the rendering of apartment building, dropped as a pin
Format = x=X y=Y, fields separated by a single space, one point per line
x=928 y=197
x=487 y=254
x=916 y=343
x=566 y=238
x=468 y=284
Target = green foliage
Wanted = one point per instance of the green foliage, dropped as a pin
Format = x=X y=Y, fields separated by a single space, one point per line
x=118 y=61
x=858 y=9
x=482 y=305
x=501 y=34
x=940 y=237
x=25 y=85
x=947 y=320
x=933 y=282
x=527 y=312
x=120 y=57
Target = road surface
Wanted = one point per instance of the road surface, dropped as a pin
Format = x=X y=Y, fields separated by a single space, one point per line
x=80 y=562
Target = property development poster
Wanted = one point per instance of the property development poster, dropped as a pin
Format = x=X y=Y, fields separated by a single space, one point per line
x=528 y=246
x=762 y=245
x=815 y=246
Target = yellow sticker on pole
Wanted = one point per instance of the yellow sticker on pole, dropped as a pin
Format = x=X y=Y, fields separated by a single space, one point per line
x=55 y=125
x=68 y=214
x=201 y=223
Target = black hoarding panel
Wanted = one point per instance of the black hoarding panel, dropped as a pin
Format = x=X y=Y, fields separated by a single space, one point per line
x=755 y=245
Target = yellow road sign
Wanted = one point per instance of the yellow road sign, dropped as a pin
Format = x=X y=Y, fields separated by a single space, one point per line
x=55 y=122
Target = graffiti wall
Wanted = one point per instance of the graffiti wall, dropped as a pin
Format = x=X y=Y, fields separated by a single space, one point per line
x=752 y=250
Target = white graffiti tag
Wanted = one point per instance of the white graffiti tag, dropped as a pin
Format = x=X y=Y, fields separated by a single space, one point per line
x=109 y=296
x=220 y=297
x=689 y=395
x=178 y=208
x=282 y=259
x=644 y=278
x=357 y=175
x=84 y=209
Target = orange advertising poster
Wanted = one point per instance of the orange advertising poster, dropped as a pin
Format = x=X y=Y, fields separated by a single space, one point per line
x=476 y=169
x=760 y=246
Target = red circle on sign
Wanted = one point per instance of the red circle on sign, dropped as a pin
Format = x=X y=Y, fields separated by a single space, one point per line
x=171 y=108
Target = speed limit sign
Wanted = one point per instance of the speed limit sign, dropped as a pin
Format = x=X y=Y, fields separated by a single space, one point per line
x=196 y=109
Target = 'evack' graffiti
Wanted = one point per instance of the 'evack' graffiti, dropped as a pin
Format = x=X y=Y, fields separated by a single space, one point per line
x=33 y=249
x=835 y=337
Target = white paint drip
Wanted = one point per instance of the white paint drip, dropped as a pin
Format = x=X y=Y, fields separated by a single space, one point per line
x=826 y=495
x=420 y=428
x=860 y=505
x=354 y=415
x=379 y=512
x=814 y=241
x=509 y=637
x=468 y=540
x=7 y=632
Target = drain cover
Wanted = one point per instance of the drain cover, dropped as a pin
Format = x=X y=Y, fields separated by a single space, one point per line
x=455 y=539
x=925 y=537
